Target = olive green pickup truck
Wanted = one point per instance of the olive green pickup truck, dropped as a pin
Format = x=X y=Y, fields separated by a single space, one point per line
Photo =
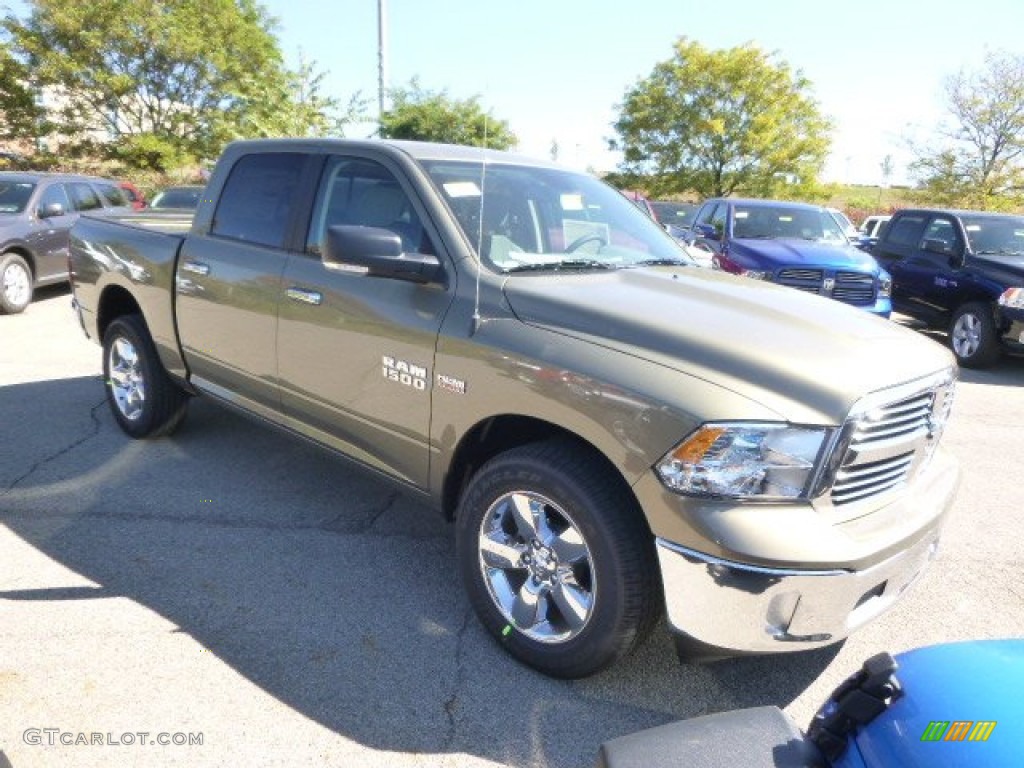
x=614 y=431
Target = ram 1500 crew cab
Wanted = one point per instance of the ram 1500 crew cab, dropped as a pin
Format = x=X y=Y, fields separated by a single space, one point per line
x=614 y=431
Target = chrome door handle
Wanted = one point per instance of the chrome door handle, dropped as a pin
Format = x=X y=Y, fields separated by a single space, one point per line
x=195 y=267
x=306 y=297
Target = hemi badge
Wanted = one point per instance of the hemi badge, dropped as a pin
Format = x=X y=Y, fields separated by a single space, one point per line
x=458 y=386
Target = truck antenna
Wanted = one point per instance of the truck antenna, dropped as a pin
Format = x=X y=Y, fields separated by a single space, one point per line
x=480 y=235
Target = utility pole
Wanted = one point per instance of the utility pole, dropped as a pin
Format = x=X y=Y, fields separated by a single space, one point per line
x=382 y=56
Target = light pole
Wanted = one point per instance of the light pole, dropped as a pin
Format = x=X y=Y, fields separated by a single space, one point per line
x=382 y=56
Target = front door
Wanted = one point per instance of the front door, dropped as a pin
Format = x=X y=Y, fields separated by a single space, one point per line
x=356 y=353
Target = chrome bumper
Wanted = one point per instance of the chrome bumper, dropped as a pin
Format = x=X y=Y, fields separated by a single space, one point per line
x=748 y=609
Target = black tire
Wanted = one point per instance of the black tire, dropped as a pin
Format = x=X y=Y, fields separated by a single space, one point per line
x=143 y=398
x=15 y=284
x=973 y=336
x=570 y=487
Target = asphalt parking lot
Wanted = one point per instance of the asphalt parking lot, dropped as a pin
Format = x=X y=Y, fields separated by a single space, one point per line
x=240 y=586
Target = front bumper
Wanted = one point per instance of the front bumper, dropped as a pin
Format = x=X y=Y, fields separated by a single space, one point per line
x=720 y=605
x=748 y=609
x=1013 y=337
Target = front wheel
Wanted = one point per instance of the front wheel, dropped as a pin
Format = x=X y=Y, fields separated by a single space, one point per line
x=143 y=398
x=15 y=284
x=557 y=559
x=973 y=336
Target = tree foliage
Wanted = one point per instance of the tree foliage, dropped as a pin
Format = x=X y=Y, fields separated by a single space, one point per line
x=156 y=83
x=423 y=115
x=19 y=115
x=722 y=122
x=980 y=161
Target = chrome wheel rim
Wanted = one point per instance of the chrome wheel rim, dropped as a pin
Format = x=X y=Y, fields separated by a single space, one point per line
x=16 y=284
x=967 y=335
x=537 y=567
x=127 y=384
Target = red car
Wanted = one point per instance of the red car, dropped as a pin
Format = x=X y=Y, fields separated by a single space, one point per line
x=134 y=195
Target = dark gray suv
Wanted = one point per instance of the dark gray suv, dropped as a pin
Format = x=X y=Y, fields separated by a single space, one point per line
x=36 y=212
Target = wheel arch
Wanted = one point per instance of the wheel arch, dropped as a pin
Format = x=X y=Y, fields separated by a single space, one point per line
x=500 y=433
x=20 y=250
x=115 y=301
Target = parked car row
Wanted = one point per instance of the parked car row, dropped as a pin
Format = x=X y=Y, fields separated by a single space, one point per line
x=36 y=213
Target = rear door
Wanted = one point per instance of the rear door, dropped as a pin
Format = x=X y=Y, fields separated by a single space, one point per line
x=356 y=353
x=228 y=282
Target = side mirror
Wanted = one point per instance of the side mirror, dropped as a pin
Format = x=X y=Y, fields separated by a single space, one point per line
x=50 y=210
x=380 y=252
x=707 y=231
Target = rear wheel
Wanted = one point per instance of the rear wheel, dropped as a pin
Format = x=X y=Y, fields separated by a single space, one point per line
x=143 y=398
x=15 y=284
x=557 y=559
x=973 y=336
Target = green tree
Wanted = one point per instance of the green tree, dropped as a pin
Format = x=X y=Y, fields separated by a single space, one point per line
x=156 y=84
x=722 y=122
x=422 y=115
x=20 y=117
x=296 y=106
x=980 y=158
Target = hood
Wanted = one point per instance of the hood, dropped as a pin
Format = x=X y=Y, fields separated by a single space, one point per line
x=1008 y=271
x=805 y=357
x=789 y=252
x=957 y=690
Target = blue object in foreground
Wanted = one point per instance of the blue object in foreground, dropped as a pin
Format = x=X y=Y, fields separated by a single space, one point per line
x=957 y=704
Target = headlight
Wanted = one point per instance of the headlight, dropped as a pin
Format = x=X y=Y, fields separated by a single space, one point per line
x=884 y=285
x=745 y=461
x=1012 y=298
x=756 y=274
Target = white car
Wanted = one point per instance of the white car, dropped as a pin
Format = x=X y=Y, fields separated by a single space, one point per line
x=872 y=226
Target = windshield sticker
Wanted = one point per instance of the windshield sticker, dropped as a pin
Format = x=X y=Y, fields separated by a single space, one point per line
x=973 y=228
x=742 y=214
x=572 y=202
x=462 y=189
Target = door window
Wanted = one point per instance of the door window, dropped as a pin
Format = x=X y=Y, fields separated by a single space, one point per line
x=364 y=193
x=907 y=230
x=83 y=196
x=942 y=231
x=55 y=193
x=259 y=197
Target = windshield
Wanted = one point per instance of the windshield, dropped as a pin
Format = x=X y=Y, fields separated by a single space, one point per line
x=769 y=222
x=996 y=235
x=14 y=195
x=677 y=214
x=543 y=219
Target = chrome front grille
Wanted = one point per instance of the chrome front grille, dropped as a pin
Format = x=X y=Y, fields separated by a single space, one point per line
x=808 y=280
x=889 y=438
x=854 y=288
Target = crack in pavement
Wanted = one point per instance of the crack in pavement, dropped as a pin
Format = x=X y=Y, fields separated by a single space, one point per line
x=451 y=704
x=341 y=518
x=62 y=452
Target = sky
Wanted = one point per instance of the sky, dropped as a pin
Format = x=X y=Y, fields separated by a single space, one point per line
x=557 y=69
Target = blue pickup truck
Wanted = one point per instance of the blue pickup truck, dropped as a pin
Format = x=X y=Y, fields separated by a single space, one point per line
x=963 y=272
x=793 y=244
